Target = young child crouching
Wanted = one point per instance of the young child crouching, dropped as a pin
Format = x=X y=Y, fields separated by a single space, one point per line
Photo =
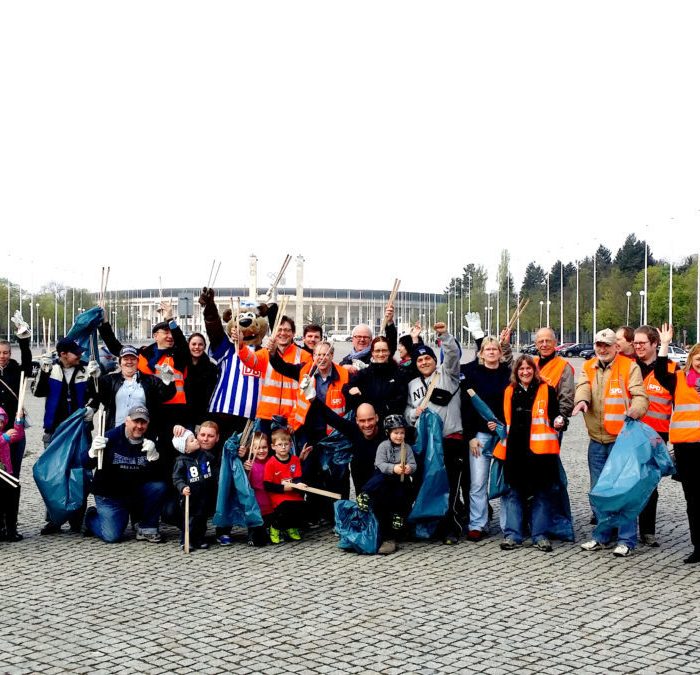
x=195 y=474
x=389 y=495
x=260 y=451
x=289 y=507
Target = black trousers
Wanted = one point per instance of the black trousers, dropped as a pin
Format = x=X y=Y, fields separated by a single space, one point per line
x=456 y=454
x=688 y=465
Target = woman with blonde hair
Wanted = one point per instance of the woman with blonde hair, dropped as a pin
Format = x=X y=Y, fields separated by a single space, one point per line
x=684 y=430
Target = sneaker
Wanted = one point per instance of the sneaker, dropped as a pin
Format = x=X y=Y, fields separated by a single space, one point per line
x=650 y=540
x=202 y=547
x=224 y=540
x=694 y=557
x=12 y=536
x=293 y=534
x=397 y=522
x=543 y=545
x=592 y=545
x=50 y=528
x=363 y=501
x=275 y=535
x=151 y=537
x=475 y=535
x=509 y=544
x=388 y=547
x=450 y=539
x=621 y=551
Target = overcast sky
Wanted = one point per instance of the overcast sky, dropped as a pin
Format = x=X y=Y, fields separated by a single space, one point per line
x=376 y=139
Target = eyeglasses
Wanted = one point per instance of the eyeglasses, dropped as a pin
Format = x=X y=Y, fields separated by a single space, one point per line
x=282 y=445
x=639 y=344
x=361 y=337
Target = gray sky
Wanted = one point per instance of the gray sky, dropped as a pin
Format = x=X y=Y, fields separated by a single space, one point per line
x=377 y=139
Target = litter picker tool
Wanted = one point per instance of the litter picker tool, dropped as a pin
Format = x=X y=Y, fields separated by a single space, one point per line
x=100 y=426
x=216 y=274
x=431 y=388
x=403 y=460
x=316 y=491
x=211 y=271
x=392 y=299
x=187 y=524
x=517 y=312
x=279 y=276
x=9 y=478
x=280 y=314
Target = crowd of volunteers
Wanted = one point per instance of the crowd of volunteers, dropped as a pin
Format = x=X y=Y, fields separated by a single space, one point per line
x=176 y=408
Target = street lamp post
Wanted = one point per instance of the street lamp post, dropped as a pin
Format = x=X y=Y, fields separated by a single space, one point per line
x=641 y=307
x=548 y=301
x=541 y=306
x=629 y=295
x=577 y=333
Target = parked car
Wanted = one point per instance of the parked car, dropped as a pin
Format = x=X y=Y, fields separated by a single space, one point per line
x=576 y=349
x=529 y=349
x=587 y=354
x=677 y=355
x=341 y=337
x=564 y=346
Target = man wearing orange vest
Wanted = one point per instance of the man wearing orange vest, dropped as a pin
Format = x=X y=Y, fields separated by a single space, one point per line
x=658 y=417
x=555 y=370
x=278 y=393
x=609 y=389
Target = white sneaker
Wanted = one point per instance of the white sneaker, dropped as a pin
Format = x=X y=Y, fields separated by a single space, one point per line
x=592 y=545
x=622 y=551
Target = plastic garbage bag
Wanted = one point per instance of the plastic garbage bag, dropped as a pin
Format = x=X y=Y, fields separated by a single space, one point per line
x=358 y=530
x=59 y=473
x=487 y=414
x=434 y=492
x=636 y=464
x=84 y=332
x=235 y=500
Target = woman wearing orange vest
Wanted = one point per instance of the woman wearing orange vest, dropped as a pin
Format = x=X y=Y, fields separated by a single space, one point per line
x=530 y=451
x=684 y=433
x=646 y=343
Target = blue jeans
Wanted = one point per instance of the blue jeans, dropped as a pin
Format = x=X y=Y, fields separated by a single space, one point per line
x=627 y=531
x=110 y=519
x=479 y=484
x=512 y=508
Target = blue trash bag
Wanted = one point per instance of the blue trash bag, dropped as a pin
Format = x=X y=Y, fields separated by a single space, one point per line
x=487 y=414
x=497 y=481
x=235 y=499
x=433 y=496
x=561 y=522
x=636 y=464
x=59 y=473
x=335 y=452
x=358 y=530
x=84 y=332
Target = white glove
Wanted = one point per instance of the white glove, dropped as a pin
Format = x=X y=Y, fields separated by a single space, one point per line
x=166 y=373
x=93 y=369
x=46 y=362
x=474 y=325
x=149 y=447
x=89 y=414
x=21 y=326
x=308 y=388
x=99 y=443
x=359 y=365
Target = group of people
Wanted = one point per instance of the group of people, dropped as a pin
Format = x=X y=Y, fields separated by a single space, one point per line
x=173 y=404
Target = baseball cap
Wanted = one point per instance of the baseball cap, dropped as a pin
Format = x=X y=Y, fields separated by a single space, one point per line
x=139 y=412
x=128 y=350
x=606 y=336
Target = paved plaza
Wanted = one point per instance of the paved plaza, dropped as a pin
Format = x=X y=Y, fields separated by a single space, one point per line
x=74 y=604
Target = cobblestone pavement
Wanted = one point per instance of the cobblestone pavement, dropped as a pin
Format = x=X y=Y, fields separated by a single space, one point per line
x=71 y=604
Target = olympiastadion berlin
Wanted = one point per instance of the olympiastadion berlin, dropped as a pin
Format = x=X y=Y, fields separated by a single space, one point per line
x=336 y=310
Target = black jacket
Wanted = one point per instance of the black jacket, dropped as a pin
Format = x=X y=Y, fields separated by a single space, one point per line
x=155 y=390
x=382 y=385
x=10 y=376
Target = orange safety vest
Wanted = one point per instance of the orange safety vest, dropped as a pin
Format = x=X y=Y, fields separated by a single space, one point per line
x=335 y=399
x=544 y=440
x=685 y=420
x=552 y=371
x=616 y=398
x=178 y=377
x=278 y=394
x=658 y=416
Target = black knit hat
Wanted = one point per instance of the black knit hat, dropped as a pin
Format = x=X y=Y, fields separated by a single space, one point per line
x=423 y=350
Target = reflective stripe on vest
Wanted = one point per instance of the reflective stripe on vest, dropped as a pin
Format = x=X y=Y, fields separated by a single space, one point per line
x=616 y=397
x=278 y=394
x=544 y=440
x=685 y=420
x=334 y=397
